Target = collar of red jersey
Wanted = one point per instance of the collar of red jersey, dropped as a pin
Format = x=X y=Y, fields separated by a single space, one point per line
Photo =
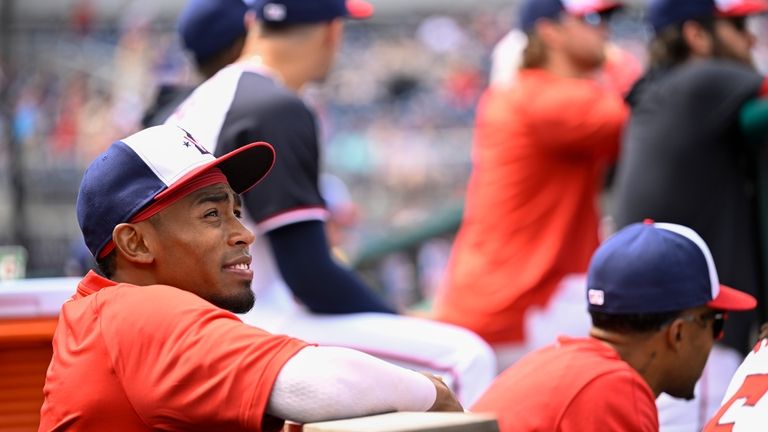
x=93 y=282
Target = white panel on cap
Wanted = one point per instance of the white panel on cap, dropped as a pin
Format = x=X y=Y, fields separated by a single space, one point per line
x=698 y=241
x=168 y=151
x=726 y=4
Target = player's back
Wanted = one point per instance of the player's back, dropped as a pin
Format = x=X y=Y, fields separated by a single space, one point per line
x=573 y=385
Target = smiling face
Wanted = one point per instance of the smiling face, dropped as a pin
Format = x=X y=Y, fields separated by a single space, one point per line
x=199 y=245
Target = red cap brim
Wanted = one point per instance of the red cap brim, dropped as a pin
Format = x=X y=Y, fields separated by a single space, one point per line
x=744 y=8
x=731 y=299
x=359 y=9
x=243 y=167
x=593 y=7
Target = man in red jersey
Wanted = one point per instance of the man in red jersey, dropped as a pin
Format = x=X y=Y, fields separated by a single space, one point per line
x=153 y=343
x=657 y=307
x=531 y=218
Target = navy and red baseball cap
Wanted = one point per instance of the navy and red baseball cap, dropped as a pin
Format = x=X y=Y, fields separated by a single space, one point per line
x=310 y=11
x=208 y=27
x=663 y=13
x=140 y=175
x=654 y=268
x=534 y=10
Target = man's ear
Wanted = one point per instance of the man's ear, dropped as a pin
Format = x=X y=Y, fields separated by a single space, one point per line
x=674 y=334
x=131 y=241
x=698 y=39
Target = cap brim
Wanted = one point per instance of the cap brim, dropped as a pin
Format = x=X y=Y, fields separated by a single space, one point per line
x=596 y=7
x=243 y=167
x=359 y=9
x=733 y=300
x=744 y=8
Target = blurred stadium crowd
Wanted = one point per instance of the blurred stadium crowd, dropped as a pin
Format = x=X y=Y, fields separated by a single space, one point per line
x=397 y=113
x=396 y=117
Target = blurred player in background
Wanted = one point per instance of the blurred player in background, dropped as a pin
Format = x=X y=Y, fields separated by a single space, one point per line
x=531 y=219
x=698 y=121
x=225 y=23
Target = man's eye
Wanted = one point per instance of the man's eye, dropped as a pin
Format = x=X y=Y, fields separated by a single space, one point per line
x=212 y=213
x=238 y=214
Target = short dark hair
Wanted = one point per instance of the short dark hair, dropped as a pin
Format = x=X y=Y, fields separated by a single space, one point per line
x=218 y=61
x=108 y=264
x=268 y=29
x=668 y=48
x=632 y=323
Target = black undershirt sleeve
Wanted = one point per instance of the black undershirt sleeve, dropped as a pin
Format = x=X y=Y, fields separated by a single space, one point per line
x=303 y=257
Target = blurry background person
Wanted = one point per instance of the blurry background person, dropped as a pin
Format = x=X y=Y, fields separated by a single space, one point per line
x=210 y=51
x=619 y=71
x=688 y=157
x=530 y=223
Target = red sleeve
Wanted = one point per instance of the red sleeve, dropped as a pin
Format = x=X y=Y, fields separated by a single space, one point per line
x=184 y=362
x=577 y=116
x=616 y=402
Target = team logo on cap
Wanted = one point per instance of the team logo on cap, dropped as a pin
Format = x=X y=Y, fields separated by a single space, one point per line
x=596 y=297
x=188 y=140
x=274 y=12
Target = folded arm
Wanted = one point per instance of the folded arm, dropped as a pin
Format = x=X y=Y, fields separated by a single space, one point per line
x=325 y=383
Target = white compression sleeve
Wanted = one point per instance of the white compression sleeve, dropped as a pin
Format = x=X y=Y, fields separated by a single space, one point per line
x=326 y=383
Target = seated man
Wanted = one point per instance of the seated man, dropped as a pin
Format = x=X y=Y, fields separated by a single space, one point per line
x=657 y=307
x=154 y=343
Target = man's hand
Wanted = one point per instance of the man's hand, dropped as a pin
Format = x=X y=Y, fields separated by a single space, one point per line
x=445 y=399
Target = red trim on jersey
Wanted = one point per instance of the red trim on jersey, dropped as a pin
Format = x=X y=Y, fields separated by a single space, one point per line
x=291 y=216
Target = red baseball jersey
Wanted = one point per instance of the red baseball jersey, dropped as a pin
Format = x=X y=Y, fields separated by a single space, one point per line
x=141 y=358
x=531 y=213
x=575 y=385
